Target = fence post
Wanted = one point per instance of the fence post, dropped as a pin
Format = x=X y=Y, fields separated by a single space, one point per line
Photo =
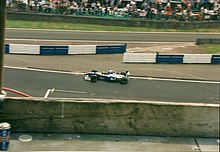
x=2 y=39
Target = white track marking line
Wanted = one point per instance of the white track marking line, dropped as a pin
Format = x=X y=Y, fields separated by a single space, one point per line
x=57 y=90
x=62 y=111
x=70 y=91
x=176 y=80
x=48 y=93
x=42 y=70
x=132 y=77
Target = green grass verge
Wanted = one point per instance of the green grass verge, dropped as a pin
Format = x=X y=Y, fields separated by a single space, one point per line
x=92 y=27
x=211 y=49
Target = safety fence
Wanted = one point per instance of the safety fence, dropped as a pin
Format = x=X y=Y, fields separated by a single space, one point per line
x=171 y=58
x=64 y=49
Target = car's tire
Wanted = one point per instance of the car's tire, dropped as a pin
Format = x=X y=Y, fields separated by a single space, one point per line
x=93 y=78
x=123 y=81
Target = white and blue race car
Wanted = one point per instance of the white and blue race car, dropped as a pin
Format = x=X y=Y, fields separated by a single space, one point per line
x=110 y=76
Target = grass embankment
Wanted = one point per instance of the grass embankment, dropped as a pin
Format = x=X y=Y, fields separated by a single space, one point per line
x=211 y=49
x=91 y=27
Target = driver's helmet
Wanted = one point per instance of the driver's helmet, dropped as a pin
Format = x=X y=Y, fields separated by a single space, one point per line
x=111 y=72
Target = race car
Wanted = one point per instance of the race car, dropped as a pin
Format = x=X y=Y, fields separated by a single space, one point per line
x=110 y=76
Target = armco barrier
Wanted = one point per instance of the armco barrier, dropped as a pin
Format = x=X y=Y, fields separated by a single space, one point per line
x=111 y=116
x=174 y=59
x=64 y=50
x=215 y=59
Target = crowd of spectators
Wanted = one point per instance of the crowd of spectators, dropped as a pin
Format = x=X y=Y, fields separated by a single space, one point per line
x=183 y=10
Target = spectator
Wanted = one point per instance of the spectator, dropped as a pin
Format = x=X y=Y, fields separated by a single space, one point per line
x=74 y=8
x=168 y=11
x=159 y=10
x=112 y=3
x=144 y=5
x=153 y=12
x=133 y=4
x=149 y=9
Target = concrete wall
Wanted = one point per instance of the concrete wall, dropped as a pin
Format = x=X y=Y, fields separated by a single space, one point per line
x=113 y=21
x=111 y=117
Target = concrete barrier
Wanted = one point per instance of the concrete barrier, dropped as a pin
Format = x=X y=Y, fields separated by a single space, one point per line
x=171 y=58
x=197 y=58
x=139 y=58
x=23 y=49
x=82 y=49
x=64 y=49
x=114 y=116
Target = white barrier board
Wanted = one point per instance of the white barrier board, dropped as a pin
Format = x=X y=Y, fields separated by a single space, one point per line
x=24 y=49
x=197 y=58
x=139 y=58
x=82 y=49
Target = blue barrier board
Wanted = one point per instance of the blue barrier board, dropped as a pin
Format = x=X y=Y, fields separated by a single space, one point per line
x=7 y=48
x=215 y=59
x=54 y=50
x=177 y=59
x=112 y=49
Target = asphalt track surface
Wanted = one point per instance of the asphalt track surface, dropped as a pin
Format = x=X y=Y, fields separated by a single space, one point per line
x=107 y=36
x=68 y=85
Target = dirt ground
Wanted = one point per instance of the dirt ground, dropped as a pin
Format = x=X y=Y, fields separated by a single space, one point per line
x=167 y=48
